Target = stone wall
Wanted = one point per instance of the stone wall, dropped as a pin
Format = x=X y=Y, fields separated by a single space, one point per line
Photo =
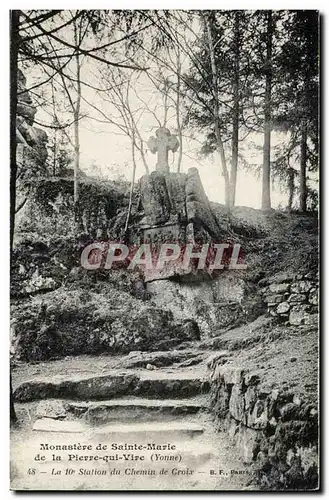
x=272 y=429
x=292 y=298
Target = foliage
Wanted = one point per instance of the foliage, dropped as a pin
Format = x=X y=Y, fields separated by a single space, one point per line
x=60 y=156
x=298 y=91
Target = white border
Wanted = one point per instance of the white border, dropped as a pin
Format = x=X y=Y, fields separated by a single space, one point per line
x=4 y=195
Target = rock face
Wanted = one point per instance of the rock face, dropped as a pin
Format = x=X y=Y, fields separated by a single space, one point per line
x=197 y=204
x=213 y=304
x=176 y=198
x=155 y=199
x=271 y=428
x=27 y=135
x=292 y=298
x=150 y=326
x=91 y=323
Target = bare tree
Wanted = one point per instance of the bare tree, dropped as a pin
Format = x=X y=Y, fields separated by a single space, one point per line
x=76 y=114
x=178 y=109
x=131 y=185
x=236 y=107
x=302 y=172
x=266 y=186
x=216 y=115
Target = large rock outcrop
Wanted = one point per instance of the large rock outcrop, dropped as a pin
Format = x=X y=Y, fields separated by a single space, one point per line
x=176 y=198
x=68 y=322
x=28 y=136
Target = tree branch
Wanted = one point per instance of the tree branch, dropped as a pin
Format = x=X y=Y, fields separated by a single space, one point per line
x=88 y=53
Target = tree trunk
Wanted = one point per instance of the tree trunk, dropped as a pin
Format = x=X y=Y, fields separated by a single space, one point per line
x=216 y=112
x=179 y=127
x=141 y=149
x=14 y=47
x=165 y=104
x=291 y=188
x=76 y=158
x=131 y=187
x=266 y=188
x=236 y=110
x=55 y=153
x=302 y=173
x=76 y=124
x=76 y=114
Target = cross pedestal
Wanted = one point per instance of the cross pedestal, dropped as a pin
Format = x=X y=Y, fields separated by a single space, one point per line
x=162 y=144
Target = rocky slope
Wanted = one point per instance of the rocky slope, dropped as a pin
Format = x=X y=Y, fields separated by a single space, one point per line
x=256 y=348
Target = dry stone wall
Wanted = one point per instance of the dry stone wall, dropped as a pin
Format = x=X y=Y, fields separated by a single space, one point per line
x=274 y=430
x=292 y=298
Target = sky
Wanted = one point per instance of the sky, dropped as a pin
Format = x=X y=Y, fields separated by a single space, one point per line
x=112 y=155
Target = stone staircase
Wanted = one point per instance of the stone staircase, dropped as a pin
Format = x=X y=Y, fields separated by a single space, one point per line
x=153 y=427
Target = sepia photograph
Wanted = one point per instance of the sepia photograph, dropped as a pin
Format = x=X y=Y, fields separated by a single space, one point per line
x=164 y=253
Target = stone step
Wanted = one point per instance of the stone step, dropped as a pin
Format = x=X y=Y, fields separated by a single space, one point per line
x=117 y=430
x=123 y=410
x=65 y=426
x=114 y=384
x=136 y=409
x=151 y=428
x=174 y=386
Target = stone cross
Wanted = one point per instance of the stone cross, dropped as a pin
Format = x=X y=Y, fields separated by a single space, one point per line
x=161 y=144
